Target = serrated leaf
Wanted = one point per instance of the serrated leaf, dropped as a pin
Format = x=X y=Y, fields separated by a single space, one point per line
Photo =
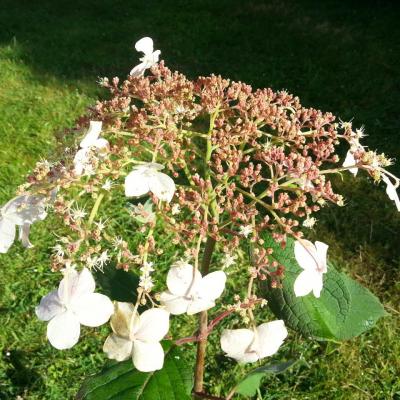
x=121 y=381
x=251 y=382
x=344 y=310
x=117 y=284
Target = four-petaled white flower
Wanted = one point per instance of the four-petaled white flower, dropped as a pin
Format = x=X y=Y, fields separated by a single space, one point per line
x=147 y=178
x=312 y=259
x=21 y=211
x=91 y=141
x=145 y=45
x=137 y=336
x=391 y=191
x=245 y=230
x=247 y=346
x=229 y=260
x=107 y=185
x=72 y=305
x=190 y=292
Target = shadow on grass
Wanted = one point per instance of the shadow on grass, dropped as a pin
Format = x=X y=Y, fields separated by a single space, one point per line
x=21 y=377
x=339 y=56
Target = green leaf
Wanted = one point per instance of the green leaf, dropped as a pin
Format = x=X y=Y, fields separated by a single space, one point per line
x=121 y=381
x=344 y=310
x=251 y=382
x=118 y=284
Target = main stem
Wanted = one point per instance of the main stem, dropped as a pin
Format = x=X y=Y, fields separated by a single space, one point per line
x=205 y=265
x=203 y=324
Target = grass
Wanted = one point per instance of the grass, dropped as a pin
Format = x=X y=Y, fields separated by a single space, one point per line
x=337 y=56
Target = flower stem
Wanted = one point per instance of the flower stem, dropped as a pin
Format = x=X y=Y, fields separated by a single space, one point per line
x=203 y=324
x=95 y=209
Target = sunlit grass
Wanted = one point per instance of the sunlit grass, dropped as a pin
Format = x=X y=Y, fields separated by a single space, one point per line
x=327 y=55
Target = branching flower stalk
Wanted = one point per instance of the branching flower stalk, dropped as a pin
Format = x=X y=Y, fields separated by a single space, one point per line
x=206 y=168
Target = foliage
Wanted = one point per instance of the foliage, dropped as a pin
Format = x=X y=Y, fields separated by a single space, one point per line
x=345 y=309
x=122 y=381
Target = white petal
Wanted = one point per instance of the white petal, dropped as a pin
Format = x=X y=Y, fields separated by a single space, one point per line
x=147 y=357
x=182 y=278
x=136 y=184
x=197 y=305
x=145 y=45
x=155 y=56
x=138 y=70
x=322 y=249
x=162 y=186
x=154 y=325
x=117 y=348
x=80 y=161
x=101 y=144
x=391 y=191
x=92 y=309
x=7 y=234
x=75 y=285
x=67 y=285
x=306 y=282
x=175 y=305
x=235 y=342
x=92 y=134
x=63 y=331
x=248 y=357
x=318 y=285
x=24 y=235
x=121 y=319
x=212 y=285
x=49 y=306
x=85 y=284
x=306 y=255
x=349 y=161
x=271 y=336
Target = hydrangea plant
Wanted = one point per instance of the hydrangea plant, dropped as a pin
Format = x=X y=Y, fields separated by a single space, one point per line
x=228 y=177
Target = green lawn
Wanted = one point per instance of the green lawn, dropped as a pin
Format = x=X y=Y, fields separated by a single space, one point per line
x=340 y=56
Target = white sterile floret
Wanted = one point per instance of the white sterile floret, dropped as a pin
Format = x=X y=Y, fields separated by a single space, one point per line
x=91 y=141
x=72 y=305
x=190 y=292
x=147 y=178
x=21 y=211
x=247 y=346
x=137 y=336
x=391 y=191
x=150 y=57
x=312 y=259
x=350 y=161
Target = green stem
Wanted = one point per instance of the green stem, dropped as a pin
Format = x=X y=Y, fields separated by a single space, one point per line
x=203 y=323
x=95 y=209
